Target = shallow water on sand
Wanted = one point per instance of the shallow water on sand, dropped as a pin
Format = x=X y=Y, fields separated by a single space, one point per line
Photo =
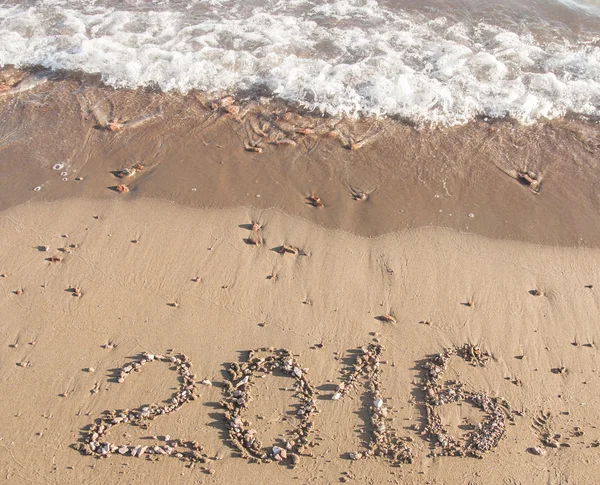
x=500 y=179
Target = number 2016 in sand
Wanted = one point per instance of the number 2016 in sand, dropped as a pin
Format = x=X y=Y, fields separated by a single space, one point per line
x=239 y=394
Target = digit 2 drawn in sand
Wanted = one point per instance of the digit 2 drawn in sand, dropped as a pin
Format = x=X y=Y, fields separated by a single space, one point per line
x=382 y=441
x=96 y=442
x=488 y=433
x=242 y=378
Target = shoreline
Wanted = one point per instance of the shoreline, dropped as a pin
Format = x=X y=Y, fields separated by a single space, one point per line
x=201 y=157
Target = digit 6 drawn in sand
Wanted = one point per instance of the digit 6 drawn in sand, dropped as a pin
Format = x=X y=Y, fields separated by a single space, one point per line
x=382 y=442
x=488 y=433
x=96 y=443
x=242 y=379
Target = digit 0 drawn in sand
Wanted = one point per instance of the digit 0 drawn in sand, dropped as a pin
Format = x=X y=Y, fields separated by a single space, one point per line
x=242 y=377
x=382 y=442
x=486 y=434
x=96 y=442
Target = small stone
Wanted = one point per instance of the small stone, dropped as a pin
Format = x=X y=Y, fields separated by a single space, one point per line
x=535 y=450
x=242 y=382
x=316 y=201
x=126 y=172
x=287 y=249
x=206 y=382
x=254 y=239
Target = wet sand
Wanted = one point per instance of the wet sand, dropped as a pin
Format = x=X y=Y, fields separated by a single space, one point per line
x=196 y=156
x=167 y=269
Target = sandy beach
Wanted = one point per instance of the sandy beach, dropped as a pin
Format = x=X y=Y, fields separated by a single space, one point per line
x=156 y=278
x=299 y=242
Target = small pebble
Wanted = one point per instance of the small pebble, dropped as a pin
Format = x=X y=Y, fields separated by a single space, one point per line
x=535 y=450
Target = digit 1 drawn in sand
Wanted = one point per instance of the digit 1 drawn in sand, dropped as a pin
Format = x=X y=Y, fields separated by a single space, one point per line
x=437 y=393
x=96 y=442
x=242 y=377
x=382 y=441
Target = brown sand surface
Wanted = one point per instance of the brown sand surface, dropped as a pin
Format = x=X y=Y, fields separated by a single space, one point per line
x=196 y=156
x=134 y=258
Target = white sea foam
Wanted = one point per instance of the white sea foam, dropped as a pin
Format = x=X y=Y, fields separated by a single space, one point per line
x=343 y=56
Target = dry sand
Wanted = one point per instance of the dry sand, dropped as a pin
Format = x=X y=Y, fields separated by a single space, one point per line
x=134 y=258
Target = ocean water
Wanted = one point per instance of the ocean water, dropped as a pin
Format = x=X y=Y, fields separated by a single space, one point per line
x=425 y=61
